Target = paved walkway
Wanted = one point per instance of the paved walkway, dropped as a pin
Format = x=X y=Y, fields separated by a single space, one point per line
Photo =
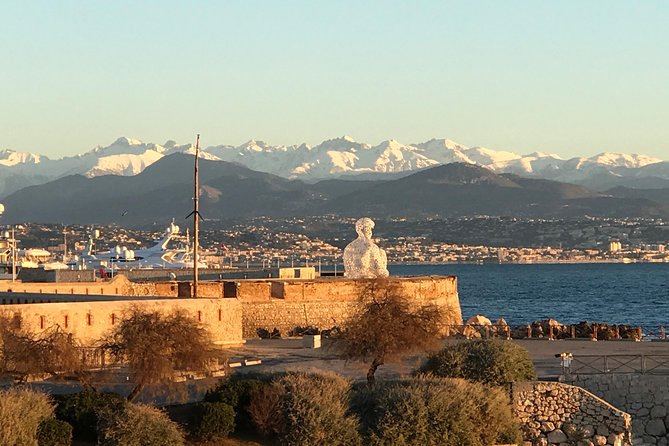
x=288 y=354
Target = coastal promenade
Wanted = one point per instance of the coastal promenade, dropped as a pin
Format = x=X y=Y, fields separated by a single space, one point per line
x=289 y=354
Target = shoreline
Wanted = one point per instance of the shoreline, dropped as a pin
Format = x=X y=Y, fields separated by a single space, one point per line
x=541 y=262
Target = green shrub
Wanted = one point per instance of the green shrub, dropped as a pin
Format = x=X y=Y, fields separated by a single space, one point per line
x=21 y=412
x=81 y=411
x=237 y=392
x=54 y=432
x=314 y=411
x=263 y=408
x=488 y=361
x=212 y=421
x=138 y=425
x=428 y=410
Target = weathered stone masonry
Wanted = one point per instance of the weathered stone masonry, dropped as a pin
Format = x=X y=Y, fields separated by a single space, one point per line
x=92 y=320
x=645 y=397
x=559 y=414
x=231 y=310
x=326 y=303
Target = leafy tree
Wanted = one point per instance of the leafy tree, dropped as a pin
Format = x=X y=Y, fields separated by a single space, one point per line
x=388 y=326
x=156 y=346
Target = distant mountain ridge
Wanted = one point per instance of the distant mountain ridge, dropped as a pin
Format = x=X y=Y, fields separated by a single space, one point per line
x=163 y=191
x=337 y=158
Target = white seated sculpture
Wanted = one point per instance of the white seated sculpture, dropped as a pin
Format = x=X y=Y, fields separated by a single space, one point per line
x=363 y=259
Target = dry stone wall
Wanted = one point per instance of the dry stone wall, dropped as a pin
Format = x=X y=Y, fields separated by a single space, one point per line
x=644 y=397
x=558 y=414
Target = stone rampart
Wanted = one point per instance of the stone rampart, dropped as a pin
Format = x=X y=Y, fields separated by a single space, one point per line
x=90 y=321
x=285 y=316
x=265 y=304
x=326 y=303
x=119 y=286
x=645 y=397
x=559 y=414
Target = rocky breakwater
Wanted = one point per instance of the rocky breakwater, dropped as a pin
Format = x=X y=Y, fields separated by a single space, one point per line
x=550 y=328
x=559 y=414
x=481 y=327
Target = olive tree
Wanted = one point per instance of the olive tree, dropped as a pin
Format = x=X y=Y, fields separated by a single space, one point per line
x=388 y=326
x=156 y=346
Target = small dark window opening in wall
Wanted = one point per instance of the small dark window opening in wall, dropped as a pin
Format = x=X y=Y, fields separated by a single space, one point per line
x=220 y=315
x=89 y=319
x=113 y=318
x=67 y=320
x=41 y=322
x=199 y=316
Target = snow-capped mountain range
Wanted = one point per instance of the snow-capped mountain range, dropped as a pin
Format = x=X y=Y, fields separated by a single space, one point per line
x=337 y=157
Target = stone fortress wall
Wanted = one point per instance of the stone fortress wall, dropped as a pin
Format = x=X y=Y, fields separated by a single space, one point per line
x=553 y=413
x=231 y=310
x=645 y=397
x=327 y=303
x=90 y=321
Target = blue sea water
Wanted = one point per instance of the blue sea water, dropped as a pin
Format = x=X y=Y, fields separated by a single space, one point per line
x=636 y=294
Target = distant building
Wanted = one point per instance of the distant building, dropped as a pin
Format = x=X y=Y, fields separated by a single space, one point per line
x=615 y=246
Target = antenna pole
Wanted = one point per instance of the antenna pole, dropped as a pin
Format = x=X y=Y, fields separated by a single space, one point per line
x=13 y=255
x=196 y=221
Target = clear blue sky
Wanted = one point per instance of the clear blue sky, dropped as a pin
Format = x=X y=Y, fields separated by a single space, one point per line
x=569 y=77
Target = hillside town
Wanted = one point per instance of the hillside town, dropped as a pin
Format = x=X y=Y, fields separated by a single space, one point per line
x=319 y=241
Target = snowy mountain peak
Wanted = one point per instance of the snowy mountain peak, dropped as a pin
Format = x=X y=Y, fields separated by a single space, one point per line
x=487 y=157
x=622 y=159
x=125 y=141
x=543 y=155
x=335 y=157
x=13 y=158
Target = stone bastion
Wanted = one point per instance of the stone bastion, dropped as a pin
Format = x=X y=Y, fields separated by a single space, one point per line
x=232 y=310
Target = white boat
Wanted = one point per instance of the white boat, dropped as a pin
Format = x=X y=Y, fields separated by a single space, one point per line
x=23 y=258
x=158 y=256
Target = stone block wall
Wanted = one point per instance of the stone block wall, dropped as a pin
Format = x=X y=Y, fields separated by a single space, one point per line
x=286 y=316
x=263 y=304
x=118 y=286
x=644 y=397
x=326 y=303
x=559 y=414
x=91 y=320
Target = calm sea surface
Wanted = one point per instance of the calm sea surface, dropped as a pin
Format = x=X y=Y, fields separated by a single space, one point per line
x=570 y=293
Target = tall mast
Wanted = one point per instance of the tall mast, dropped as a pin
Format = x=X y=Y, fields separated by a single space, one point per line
x=196 y=219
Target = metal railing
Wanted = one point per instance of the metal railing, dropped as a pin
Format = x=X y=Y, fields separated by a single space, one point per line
x=616 y=364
